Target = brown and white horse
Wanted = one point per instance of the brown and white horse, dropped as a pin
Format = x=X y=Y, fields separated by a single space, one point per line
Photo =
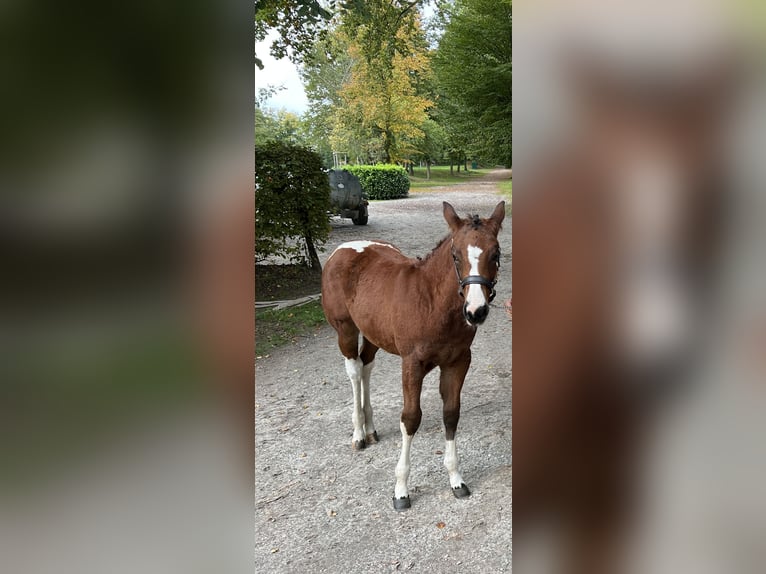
x=426 y=311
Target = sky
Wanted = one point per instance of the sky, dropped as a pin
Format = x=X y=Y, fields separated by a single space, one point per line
x=279 y=73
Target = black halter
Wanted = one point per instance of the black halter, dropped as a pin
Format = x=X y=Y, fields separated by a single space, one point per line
x=474 y=280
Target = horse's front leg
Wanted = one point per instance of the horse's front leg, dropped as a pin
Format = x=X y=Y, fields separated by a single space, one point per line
x=450 y=385
x=412 y=382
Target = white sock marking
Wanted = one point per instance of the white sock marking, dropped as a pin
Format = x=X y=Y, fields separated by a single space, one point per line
x=403 y=466
x=451 y=462
x=369 y=426
x=354 y=369
x=475 y=298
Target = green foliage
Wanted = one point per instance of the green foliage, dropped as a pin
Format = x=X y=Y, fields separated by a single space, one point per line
x=383 y=109
x=281 y=126
x=473 y=65
x=324 y=75
x=430 y=148
x=266 y=126
x=382 y=181
x=298 y=22
x=292 y=198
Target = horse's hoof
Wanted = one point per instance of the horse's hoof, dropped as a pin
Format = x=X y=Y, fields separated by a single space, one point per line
x=401 y=504
x=461 y=491
x=372 y=438
x=359 y=444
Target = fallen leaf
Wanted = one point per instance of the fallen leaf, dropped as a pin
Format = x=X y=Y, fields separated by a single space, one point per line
x=439 y=451
x=440 y=525
x=273 y=550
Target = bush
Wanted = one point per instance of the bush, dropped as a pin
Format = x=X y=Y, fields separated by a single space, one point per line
x=292 y=198
x=382 y=181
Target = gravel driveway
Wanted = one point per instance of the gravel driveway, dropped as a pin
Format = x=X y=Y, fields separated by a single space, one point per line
x=321 y=507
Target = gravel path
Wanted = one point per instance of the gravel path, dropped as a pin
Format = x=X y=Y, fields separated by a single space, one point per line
x=321 y=507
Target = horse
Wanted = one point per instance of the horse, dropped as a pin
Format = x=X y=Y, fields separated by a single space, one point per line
x=426 y=311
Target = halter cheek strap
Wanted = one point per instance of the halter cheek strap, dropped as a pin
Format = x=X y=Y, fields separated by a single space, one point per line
x=474 y=280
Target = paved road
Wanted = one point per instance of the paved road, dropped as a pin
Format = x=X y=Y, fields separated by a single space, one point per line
x=321 y=507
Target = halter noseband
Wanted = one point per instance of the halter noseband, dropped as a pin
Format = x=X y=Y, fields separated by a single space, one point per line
x=474 y=280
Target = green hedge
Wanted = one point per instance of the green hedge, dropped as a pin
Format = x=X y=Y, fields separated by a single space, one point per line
x=382 y=181
x=292 y=198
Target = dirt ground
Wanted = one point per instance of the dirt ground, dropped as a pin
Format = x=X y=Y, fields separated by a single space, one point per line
x=284 y=282
x=322 y=507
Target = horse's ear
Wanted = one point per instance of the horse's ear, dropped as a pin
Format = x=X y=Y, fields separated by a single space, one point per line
x=499 y=214
x=451 y=217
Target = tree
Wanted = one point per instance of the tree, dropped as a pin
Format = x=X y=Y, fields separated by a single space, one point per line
x=324 y=74
x=382 y=111
x=265 y=126
x=431 y=146
x=292 y=198
x=298 y=22
x=473 y=66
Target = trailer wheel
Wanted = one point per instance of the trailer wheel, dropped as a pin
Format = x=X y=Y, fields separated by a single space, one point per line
x=362 y=219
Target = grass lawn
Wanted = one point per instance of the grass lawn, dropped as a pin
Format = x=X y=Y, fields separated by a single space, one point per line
x=440 y=175
x=506 y=188
x=274 y=328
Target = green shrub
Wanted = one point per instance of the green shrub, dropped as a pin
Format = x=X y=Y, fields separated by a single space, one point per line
x=292 y=198
x=382 y=181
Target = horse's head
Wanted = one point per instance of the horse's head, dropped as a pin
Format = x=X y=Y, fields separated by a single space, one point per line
x=476 y=253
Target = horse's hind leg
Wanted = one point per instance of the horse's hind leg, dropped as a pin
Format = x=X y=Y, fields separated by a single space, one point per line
x=450 y=385
x=368 y=360
x=348 y=341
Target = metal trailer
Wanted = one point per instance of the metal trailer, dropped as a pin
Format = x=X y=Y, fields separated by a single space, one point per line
x=347 y=198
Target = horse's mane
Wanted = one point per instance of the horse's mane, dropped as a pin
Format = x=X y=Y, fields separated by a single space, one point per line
x=473 y=220
x=435 y=249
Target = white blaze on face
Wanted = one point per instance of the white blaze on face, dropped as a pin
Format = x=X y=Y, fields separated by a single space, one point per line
x=360 y=246
x=475 y=297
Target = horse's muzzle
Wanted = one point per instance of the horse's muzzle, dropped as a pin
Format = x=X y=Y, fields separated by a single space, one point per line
x=476 y=317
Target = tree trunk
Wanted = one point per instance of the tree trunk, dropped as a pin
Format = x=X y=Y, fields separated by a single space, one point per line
x=428 y=170
x=450 y=166
x=465 y=158
x=312 y=252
